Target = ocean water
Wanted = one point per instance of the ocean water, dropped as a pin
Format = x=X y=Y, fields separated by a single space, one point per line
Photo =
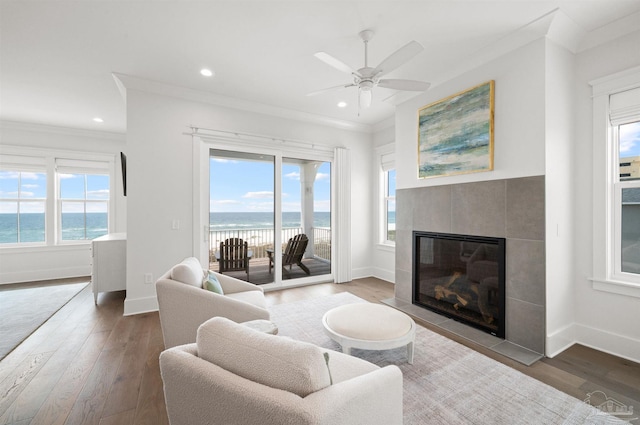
x=32 y=227
x=262 y=220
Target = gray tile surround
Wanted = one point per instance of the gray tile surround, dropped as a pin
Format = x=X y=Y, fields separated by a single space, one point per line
x=513 y=209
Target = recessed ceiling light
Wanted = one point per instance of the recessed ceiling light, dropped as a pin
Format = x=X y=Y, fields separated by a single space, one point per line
x=98 y=119
x=342 y=104
x=206 y=72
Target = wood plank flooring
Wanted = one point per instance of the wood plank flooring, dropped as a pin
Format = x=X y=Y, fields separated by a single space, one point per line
x=91 y=365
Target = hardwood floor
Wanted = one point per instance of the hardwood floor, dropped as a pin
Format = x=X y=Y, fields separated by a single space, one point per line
x=91 y=365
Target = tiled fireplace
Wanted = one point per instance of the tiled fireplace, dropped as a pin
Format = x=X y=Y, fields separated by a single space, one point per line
x=513 y=209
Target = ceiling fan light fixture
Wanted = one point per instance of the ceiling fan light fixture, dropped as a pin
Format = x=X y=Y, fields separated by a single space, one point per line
x=365 y=97
x=366 y=78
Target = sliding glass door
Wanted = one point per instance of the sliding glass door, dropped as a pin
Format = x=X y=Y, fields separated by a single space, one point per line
x=306 y=218
x=267 y=230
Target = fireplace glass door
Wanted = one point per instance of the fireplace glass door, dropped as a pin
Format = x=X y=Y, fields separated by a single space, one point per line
x=461 y=277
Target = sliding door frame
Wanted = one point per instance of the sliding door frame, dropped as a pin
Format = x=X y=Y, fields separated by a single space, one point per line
x=203 y=142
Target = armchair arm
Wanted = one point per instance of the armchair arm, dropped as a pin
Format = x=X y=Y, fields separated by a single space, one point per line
x=199 y=392
x=231 y=285
x=183 y=308
x=369 y=399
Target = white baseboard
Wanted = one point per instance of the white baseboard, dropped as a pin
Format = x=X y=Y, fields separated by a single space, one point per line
x=360 y=273
x=560 y=340
x=388 y=275
x=140 y=305
x=608 y=342
x=605 y=341
x=44 y=274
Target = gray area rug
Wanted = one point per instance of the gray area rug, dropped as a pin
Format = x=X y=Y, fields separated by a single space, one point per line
x=448 y=382
x=24 y=310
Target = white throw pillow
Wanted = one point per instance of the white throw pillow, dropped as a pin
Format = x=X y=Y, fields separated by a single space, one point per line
x=188 y=271
x=271 y=360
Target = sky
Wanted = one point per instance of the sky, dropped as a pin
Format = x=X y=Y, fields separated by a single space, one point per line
x=248 y=186
x=31 y=185
x=630 y=140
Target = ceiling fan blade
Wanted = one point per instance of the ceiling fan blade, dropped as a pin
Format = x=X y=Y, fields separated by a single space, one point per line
x=336 y=63
x=328 y=89
x=410 y=85
x=399 y=57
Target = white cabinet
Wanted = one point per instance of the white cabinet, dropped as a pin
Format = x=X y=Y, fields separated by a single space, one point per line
x=108 y=263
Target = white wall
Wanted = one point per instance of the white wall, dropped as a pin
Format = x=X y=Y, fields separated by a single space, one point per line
x=559 y=189
x=160 y=181
x=383 y=258
x=55 y=262
x=606 y=321
x=519 y=119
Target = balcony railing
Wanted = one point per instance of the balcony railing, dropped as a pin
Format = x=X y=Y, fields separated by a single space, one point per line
x=259 y=240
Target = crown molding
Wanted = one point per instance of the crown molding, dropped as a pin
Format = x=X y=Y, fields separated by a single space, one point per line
x=611 y=31
x=65 y=131
x=384 y=124
x=129 y=82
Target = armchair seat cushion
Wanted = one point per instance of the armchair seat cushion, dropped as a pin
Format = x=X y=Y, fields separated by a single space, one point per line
x=277 y=362
x=252 y=297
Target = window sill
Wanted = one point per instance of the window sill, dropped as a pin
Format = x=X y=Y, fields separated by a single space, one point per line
x=616 y=287
x=386 y=247
x=44 y=248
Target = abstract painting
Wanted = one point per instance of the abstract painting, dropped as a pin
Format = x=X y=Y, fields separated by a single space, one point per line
x=455 y=134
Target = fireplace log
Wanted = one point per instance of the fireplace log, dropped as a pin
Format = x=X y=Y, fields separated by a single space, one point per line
x=442 y=292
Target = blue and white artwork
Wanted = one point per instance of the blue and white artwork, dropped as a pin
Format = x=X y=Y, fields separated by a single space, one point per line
x=455 y=135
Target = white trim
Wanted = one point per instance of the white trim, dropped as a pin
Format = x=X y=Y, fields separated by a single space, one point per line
x=560 y=340
x=386 y=247
x=616 y=287
x=65 y=131
x=44 y=274
x=384 y=274
x=625 y=347
x=134 y=306
x=148 y=86
x=361 y=273
x=605 y=213
x=620 y=81
x=575 y=333
x=204 y=140
x=385 y=162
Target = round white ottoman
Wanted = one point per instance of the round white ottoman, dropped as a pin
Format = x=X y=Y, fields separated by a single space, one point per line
x=370 y=327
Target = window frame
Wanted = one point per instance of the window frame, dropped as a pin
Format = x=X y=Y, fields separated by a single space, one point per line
x=60 y=201
x=385 y=159
x=19 y=168
x=49 y=161
x=616 y=206
x=607 y=187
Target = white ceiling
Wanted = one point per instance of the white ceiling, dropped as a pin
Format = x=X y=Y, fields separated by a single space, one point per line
x=57 y=57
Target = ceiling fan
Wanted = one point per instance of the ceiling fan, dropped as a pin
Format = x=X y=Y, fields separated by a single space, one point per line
x=366 y=78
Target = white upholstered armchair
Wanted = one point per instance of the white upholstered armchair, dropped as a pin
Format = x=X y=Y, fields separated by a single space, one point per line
x=235 y=375
x=184 y=305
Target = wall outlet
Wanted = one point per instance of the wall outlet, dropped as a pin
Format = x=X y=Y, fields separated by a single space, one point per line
x=148 y=278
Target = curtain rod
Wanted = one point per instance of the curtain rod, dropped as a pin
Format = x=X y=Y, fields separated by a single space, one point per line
x=199 y=131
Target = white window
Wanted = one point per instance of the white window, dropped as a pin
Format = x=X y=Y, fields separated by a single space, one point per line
x=83 y=199
x=48 y=200
x=626 y=197
x=387 y=221
x=390 y=206
x=23 y=197
x=617 y=183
